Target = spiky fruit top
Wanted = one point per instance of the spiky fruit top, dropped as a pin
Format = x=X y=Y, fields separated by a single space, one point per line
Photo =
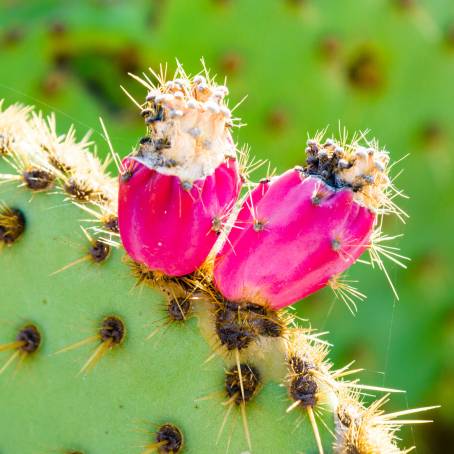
x=189 y=128
x=362 y=168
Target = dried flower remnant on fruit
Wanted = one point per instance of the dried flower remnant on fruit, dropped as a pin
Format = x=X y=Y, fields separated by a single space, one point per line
x=363 y=169
x=188 y=123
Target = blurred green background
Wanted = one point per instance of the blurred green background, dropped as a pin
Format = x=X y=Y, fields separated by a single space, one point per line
x=386 y=65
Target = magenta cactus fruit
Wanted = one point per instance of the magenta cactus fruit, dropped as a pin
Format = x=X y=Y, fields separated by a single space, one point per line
x=179 y=187
x=169 y=227
x=299 y=230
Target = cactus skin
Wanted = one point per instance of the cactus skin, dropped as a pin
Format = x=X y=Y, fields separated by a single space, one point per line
x=85 y=295
x=167 y=227
x=289 y=244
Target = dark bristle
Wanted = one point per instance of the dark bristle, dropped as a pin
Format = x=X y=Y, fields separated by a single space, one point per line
x=142 y=273
x=266 y=322
x=234 y=336
x=344 y=418
x=151 y=152
x=78 y=190
x=250 y=380
x=216 y=225
x=126 y=175
x=31 y=337
x=157 y=279
x=350 y=448
x=304 y=389
x=12 y=224
x=145 y=140
x=298 y=365
x=336 y=244
x=112 y=329
x=154 y=115
x=4 y=145
x=239 y=324
x=162 y=144
x=259 y=226
x=233 y=331
x=270 y=326
x=325 y=163
x=111 y=224
x=179 y=309
x=145 y=113
x=145 y=275
x=99 y=251
x=59 y=165
x=171 y=437
x=38 y=179
x=250 y=307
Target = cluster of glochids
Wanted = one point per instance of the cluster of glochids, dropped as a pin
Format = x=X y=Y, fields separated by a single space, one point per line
x=232 y=258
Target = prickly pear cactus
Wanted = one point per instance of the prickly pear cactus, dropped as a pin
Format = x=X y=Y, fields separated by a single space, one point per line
x=105 y=351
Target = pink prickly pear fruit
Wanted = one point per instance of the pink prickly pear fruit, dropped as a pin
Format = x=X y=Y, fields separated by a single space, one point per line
x=181 y=184
x=297 y=231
